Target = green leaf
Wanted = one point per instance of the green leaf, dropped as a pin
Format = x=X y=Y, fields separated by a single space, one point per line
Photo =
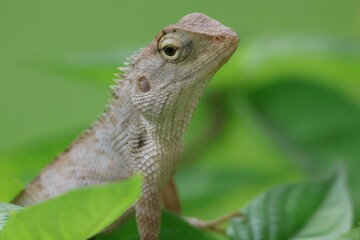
x=76 y=215
x=318 y=210
x=9 y=187
x=172 y=227
x=5 y=211
x=314 y=124
x=352 y=235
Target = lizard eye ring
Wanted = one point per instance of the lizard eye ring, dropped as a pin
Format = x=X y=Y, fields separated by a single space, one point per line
x=175 y=46
x=170 y=49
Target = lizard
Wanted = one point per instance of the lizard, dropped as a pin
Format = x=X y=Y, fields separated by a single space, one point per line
x=142 y=129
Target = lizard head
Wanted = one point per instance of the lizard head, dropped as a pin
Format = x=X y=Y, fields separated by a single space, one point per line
x=169 y=75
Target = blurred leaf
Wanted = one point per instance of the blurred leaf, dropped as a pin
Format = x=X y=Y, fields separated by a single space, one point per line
x=354 y=234
x=325 y=59
x=310 y=210
x=314 y=124
x=78 y=214
x=238 y=155
x=5 y=212
x=172 y=227
x=9 y=187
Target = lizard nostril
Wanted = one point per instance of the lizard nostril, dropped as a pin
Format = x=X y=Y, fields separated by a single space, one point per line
x=218 y=39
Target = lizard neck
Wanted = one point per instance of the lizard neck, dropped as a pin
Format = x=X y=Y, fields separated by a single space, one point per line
x=144 y=145
x=157 y=144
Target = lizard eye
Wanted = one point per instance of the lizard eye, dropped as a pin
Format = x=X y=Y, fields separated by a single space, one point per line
x=170 y=50
x=174 y=46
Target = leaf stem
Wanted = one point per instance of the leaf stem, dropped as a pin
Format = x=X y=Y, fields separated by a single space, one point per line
x=213 y=225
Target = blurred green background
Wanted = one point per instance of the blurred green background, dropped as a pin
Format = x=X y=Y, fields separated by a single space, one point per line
x=284 y=108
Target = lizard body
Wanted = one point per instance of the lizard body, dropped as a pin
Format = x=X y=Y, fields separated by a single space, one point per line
x=142 y=129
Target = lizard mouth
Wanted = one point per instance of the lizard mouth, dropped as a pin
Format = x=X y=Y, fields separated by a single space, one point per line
x=230 y=48
x=214 y=61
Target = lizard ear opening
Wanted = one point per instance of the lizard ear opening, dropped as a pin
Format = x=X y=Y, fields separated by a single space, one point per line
x=144 y=84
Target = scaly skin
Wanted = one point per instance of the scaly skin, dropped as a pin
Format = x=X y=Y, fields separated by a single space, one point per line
x=143 y=127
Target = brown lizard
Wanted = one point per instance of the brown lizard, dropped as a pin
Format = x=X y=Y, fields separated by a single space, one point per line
x=143 y=127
